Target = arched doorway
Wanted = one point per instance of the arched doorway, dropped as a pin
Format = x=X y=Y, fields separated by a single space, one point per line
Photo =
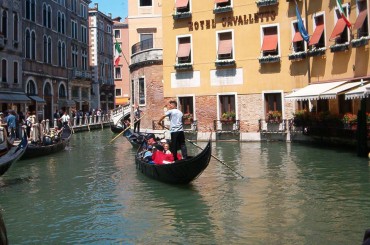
x=48 y=97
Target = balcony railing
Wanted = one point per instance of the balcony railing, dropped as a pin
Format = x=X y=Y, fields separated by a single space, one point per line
x=226 y=125
x=339 y=47
x=81 y=74
x=141 y=46
x=360 y=42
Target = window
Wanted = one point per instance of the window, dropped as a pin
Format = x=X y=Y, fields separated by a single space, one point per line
x=33 y=45
x=28 y=44
x=74 y=55
x=84 y=59
x=28 y=9
x=133 y=90
x=145 y=3
x=33 y=10
x=59 y=22
x=59 y=53
x=83 y=34
x=226 y=104
x=64 y=55
x=141 y=91
x=15 y=27
x=49 y=50
x=318 y=37
x=63 y=23
x=15 y=72
x=49 y=16
x=361 y=24
x=117 y=33
x=298 y=43
x=222 y=3
x=74 y=29
x=184 y=50
x=272 y=103
x=4 y=24
x=118 y=92
x=83 y=11
x=117 y=73
x=186 y=105
x=109 y=29
x=74 y=5
x=47 y=89
x=340 y=32
x=182 y=6
x=44 y=14
x=45 y=49
x=4 y=68
x=62 y=91
x=270 y=41
x=31 y=87
x=225 y=45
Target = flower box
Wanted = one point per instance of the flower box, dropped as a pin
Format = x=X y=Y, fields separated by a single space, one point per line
x=222 y=9
x=316 y=52
x=261 y=3
x=339 y=47
x=298 y=55
x=360 y=42
x=228 y=121
x=228 y=62
x=181 y=15
x=183 y=66
x=269 y=59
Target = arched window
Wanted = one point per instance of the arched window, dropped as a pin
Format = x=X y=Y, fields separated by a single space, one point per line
x=4 y=66
x=31 y=87
x=33 y=10
x=4 y=25
x=28 y=9
x=59 y=53
x=59 y=24
x=28 y=44
x=49 y=16
x=49 y=50
x=15 y=27
x=63 y=20
x=45 y=49
x=33 y=45
x=62 y=91
x=63 y=54
x=47 y=89
x=44 y=15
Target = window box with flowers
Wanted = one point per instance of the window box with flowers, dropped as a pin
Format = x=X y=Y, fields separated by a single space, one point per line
x=227 y=62
x=183 y=66
x=261 y=3
x=228 y=117
x=350 y=121
x=339 y=47
x=274 y=117
x=181 y=15
x=188 y=118
x=360 y=41
x=269 y=59
x=298 y=55
x=223 y=9
x=316 y=52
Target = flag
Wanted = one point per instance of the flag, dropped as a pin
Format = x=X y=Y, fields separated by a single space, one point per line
x=117 y=53
x=301 y=28
x=341 y=11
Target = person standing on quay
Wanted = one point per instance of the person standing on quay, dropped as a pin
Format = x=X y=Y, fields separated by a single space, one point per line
x=176 y=129
x=137 y=116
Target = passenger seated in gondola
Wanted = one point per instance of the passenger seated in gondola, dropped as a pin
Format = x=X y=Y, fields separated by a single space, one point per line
x=159 y=157
x=148 y=154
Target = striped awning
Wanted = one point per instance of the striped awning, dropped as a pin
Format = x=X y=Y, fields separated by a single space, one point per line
x=312 y=91
x=358 y=93
x=332 y=93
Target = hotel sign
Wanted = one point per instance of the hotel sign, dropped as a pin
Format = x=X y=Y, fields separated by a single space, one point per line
x=236 y=20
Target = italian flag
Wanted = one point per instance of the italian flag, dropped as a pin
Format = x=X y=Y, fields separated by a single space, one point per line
x=117 y=53
x=341 y=11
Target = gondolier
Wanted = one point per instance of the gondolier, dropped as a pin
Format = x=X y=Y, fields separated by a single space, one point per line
x=65 y=119
x=137 y=119
x=176 y=129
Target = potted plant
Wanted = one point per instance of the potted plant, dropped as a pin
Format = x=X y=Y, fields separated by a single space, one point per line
x=350 y=120
x=273 y=117
x=300 y=118
x=228 y=117
x=188 y=118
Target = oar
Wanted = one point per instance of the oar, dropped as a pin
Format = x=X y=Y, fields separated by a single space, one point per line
x=124 y=131
x=213 y=157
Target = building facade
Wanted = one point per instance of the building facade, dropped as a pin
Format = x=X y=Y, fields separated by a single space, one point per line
x=146 y=58
x=121 y=70
x=101 y=59
x=240 y=59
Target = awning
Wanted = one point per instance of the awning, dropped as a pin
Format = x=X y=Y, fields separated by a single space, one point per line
x=312 y=91
x=316 y=34
x=338 y=29
x=14 y=97
x=37 y=99
x=180 y=4
x=121 y=101
x=360 y=19
x=183 y=50
x=225 y=46
x=332 y=93
x=221 y=1
x=297 y=37
x=358 y=93
x=270 y=42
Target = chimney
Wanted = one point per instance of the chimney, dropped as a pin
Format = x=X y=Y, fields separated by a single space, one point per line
x=110 y=15
x=96 y=5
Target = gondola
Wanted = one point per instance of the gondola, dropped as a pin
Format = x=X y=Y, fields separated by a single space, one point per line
x=12 y=155
x=180 y=172
x=116 y=128
x=37 y=149
x=135 y=139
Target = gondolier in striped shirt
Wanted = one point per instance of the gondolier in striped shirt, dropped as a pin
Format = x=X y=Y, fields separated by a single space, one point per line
x=176 y=129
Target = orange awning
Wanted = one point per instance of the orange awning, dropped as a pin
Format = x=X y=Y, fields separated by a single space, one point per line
x=181 y=4
x=184 y=50
x=121 y=101
x=317 y=34
x=360 y=19
x=225 y=46
x=338 y=29
x=221 y=1
x=297 y=37
x=270 y=42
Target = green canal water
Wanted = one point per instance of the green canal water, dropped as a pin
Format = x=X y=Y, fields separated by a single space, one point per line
x=92 y=194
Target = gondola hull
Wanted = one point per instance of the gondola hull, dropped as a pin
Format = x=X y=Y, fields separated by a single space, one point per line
x=180 y=172
x=116 y=129
x=37 y=150
x=14 y=153
x=135 y=139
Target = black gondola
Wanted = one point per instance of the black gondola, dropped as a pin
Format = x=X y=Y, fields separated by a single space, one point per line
x=12 y=155
x=116 y=128
x=48 y=146
x=135 y=139
x=180 y=172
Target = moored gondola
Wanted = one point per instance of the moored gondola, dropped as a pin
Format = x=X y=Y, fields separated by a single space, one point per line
x=48 y=145
x=12 y=155
x=180 y=172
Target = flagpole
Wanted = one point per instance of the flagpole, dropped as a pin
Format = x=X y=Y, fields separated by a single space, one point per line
x=308 y=59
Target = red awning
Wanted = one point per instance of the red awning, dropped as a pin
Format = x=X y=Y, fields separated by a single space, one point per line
x=225 y=46
x=317 y=34
x=338 y=29
x=221 y=1
x=180 y=4
x=360 y=19
x=184 y=50
x=297 y=37
x=270 y=42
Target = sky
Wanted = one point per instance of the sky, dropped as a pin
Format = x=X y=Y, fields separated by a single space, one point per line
x=115 y=7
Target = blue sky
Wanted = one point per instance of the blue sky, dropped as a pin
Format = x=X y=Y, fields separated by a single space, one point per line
x=116 y=7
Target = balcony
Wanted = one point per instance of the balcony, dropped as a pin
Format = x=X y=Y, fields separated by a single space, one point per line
x=80 y=74
x=316 y=52
x=223 y=9
x=181 y=15
x=296 y=56
x=183 y=66
x=147 y=53
x=142 y=46
x=339 y=47
x=223 y=63
x=269 y=59
x=262 y=3
x=360 y=42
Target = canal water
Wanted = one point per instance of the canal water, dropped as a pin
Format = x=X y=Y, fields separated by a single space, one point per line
x=92 y=194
